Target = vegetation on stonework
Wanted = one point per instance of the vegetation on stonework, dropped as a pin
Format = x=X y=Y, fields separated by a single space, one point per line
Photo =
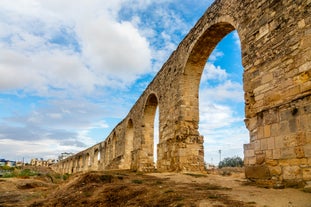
x=231 y=162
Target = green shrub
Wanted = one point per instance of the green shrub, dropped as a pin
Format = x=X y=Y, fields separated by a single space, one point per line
x=66 y=176
x=15 y=172
x=27 y=173
x=231 y=162
x=6 y=168
x=8 y=175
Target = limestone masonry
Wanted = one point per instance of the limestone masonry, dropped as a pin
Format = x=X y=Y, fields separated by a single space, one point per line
x=276 y=55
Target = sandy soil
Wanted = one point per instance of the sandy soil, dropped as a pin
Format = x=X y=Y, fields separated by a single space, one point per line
x=241 y=191
x=124 y=188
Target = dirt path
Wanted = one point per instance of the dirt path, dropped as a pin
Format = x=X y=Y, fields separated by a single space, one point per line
x=260 y=197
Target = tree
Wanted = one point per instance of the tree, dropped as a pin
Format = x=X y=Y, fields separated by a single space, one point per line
x=231 y=162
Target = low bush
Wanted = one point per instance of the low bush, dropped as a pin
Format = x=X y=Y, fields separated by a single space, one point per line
x=231 y=162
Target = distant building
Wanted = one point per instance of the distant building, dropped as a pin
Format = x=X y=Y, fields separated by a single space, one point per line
x=64 y=155
x=4 y=162
x=42 y=162
x=209 y=166
x=20 y=163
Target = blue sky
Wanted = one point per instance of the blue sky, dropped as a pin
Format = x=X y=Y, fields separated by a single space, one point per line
x=71 y=70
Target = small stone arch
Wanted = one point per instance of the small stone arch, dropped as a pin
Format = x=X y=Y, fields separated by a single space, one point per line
x=113 y=146
x=87 y=163
x=81 y=162
x=96 y=158
x=106 y=152
x=129 y=144
x=150 y=108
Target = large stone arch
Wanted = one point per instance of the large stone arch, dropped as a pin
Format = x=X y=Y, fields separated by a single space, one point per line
x=149 y=113
x=194 y=67
x=276 y=56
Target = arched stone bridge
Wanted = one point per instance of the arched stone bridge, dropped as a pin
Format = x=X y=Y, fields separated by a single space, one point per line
x=275 y=40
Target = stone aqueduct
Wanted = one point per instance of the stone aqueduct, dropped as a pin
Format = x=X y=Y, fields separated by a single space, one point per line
x=275 y=40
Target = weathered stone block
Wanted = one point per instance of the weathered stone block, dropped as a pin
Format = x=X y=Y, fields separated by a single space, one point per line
x=308 y=137
x=257 y=172
x=304 y=121
x=276 y=170
x=275 y=129
x=290 y=140
x=292 y=172
x=260 y=159
x=257 y=145
x=293 y=162
x=269 y=154
x=306 y=173
x=263 y=144
x=285 y=115
x=288 y=153
x=306 y=86
x=278 y=141
x=271 y=98
x=301 y=23
x=249 y=153
x=267 y=131
x=307 y=150
x=267 y=78
x=272 y=162
x=299 y=152
x=249 y=146
x=260 y=132
x=276 y=153
x=270 y=142
x=284 y=128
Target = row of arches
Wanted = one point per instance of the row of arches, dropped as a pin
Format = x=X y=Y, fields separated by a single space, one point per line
x=117 y=150
x=133 y=143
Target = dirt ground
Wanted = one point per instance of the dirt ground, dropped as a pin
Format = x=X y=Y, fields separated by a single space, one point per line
x=124 y=188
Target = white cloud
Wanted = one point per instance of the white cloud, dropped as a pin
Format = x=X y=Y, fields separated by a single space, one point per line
x=237 y=40
x=227 y=91
x=212 y=72
x=115 y=49
x=48 y=44
x=222 y=129
x=215 y=54
x=48 y=148
x=213 y=116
